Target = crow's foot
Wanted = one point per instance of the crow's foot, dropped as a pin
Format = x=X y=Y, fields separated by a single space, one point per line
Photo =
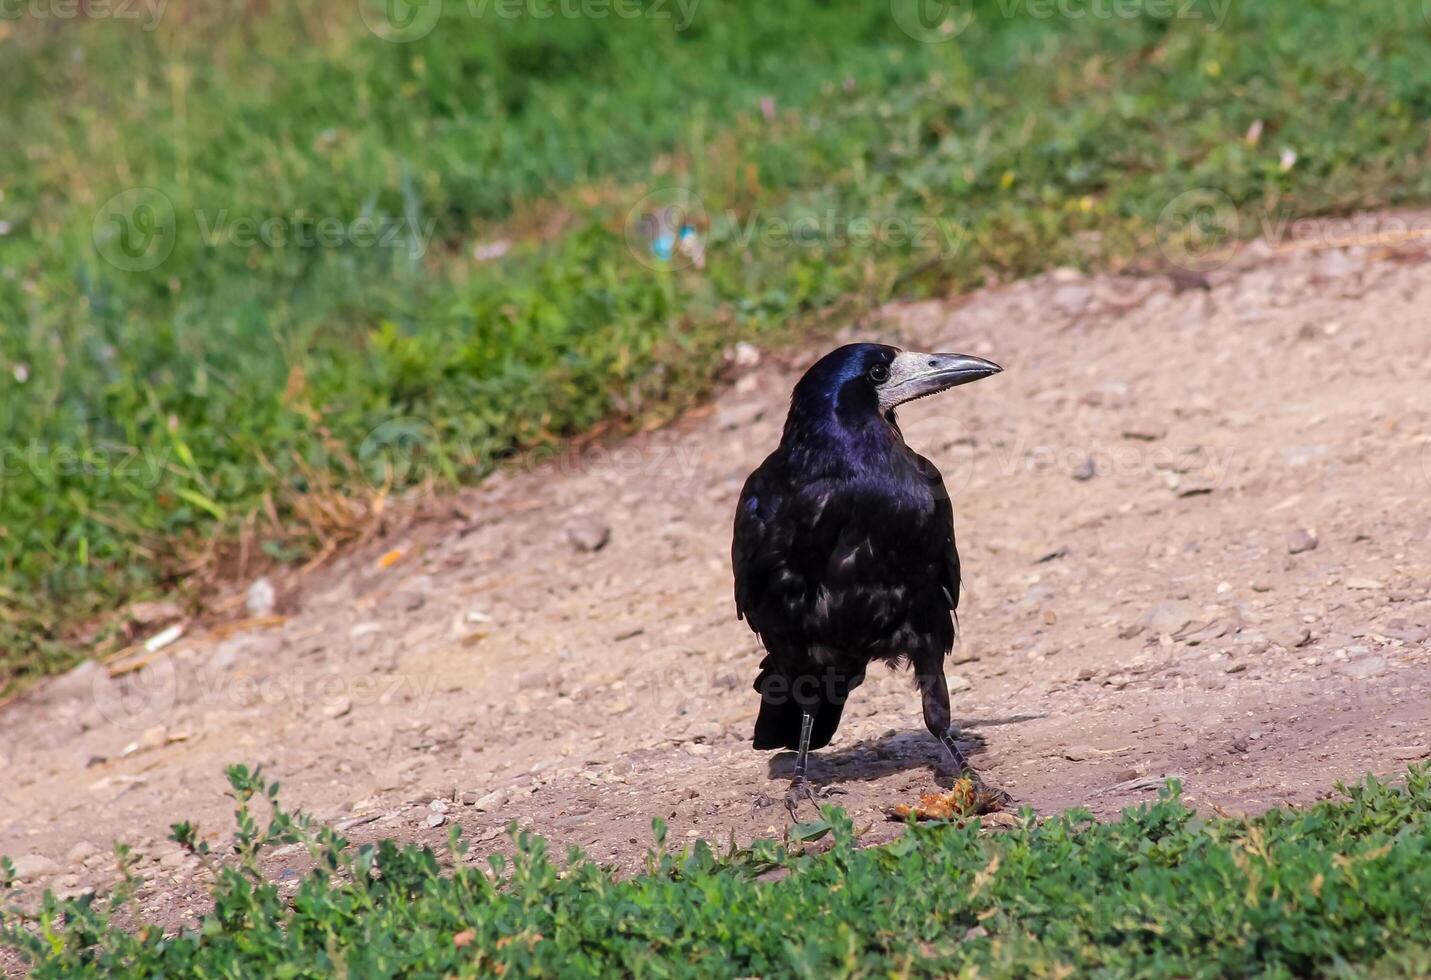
x=992 y=797
x=989 y=798
x=800 y=791
x=995 y=798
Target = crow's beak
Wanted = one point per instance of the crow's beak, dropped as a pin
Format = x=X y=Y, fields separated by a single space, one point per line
x=913 y=375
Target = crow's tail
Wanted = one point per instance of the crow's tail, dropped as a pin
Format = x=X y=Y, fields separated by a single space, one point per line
x=784 y=699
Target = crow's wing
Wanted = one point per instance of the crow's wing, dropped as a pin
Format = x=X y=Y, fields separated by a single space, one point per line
x=759 y=539
x=781 y=528
x=942 y=531
x=945 y=518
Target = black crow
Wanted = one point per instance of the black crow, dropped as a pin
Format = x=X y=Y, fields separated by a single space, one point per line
x=844 y=548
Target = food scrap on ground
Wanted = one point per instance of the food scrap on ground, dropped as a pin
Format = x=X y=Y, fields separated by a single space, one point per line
x=963 y=799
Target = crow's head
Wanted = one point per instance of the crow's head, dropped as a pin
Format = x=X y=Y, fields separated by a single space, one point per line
x=861 y=381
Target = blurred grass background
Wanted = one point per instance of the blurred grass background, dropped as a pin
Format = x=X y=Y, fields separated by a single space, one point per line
x=215 y=398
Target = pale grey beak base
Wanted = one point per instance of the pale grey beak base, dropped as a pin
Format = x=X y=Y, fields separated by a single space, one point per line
x=913 y=375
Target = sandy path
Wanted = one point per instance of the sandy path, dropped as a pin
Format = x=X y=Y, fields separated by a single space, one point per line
x=1150 y=619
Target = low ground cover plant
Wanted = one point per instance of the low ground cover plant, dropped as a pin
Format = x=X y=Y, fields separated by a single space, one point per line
x=1341 y=888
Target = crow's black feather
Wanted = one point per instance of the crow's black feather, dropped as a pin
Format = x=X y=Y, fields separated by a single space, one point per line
x=843 y=554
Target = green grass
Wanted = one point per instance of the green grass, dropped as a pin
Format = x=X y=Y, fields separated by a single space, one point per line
x=158 y=422
x=1337 y=890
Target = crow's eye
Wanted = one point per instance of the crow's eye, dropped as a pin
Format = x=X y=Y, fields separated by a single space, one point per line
x=879 y=374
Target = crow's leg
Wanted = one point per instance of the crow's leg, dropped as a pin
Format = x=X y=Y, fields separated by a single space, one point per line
x=802 y=759
x=800 y=789
x=936 y=717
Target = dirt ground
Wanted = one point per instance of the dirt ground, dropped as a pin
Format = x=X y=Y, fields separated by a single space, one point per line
x=1193 y=524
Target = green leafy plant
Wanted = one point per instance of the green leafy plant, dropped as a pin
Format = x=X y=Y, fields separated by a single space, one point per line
x=1338 y=889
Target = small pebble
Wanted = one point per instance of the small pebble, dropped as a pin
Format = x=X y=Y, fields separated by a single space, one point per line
x=589 y=535
x=1364 y=668
x=31 y=866
x=491 y=801
x=261 y=597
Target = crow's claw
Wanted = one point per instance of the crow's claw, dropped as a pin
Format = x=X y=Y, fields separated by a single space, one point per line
x=998 y=797
x=801 y=791
x=992 y=796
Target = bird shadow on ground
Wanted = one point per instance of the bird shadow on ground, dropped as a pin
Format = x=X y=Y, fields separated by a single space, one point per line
x=892 y=752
